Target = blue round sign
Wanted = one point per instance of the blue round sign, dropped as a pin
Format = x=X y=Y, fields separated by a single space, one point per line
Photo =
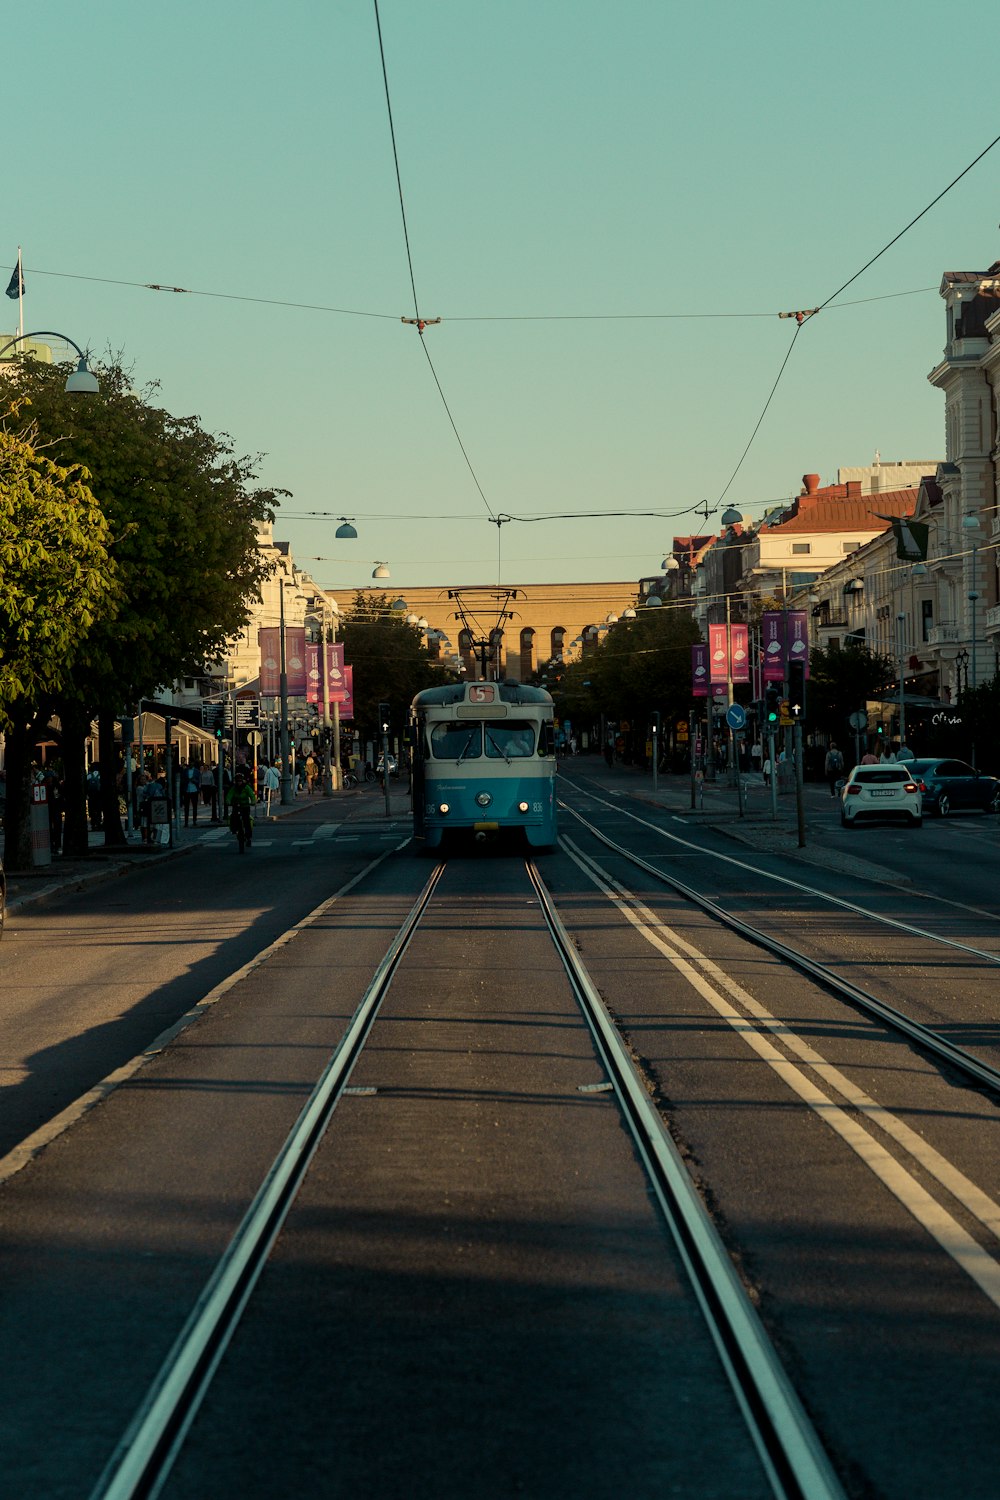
x=736 y=717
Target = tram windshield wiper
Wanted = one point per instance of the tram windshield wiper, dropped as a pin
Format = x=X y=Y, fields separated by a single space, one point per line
x=497 y=746
x=473 y=734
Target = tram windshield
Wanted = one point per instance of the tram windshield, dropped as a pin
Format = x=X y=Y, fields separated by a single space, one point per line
x=510 y=738
x=456 y=741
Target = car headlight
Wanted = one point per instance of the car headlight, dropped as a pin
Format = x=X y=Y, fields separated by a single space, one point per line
x=522 y=807
x=443 y=807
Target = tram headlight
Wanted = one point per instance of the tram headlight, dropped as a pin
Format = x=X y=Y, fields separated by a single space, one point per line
x=443 y=808
x=522 y=807
x=483 y=799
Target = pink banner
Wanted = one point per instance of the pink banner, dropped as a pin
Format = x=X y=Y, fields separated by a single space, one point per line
x=718 y=653
x=334 y=671
x=739 y=642
x=347 y=703
x=269 y=640
x=699 y=670
x=295 y=660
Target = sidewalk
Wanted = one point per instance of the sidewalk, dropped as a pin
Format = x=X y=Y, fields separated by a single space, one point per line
x=25 y=887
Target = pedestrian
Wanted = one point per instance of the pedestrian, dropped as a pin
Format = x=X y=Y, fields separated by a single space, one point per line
x=191 y=791
x=903 y=752
x=153 y=792
x=208 y=790
x=868 y=759
x=272 y=784
x=312 y=772
x=53 y=798
x=833 y=767
x=766 y=768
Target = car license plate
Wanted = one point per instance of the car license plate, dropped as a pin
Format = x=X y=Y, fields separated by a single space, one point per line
x=887 y=791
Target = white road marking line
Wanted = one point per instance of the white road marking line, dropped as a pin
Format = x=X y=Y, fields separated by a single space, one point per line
x=694 y=966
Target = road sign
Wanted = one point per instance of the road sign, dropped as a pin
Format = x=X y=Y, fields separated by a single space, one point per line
x=858 y=720
x=736 y=716
x=213 y=715
x=786 y=718
x=255 y=737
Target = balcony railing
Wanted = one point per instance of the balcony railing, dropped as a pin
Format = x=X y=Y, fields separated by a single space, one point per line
x=993 y=617
x=944 y=635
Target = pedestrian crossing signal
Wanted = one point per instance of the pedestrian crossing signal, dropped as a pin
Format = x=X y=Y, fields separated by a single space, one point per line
x=772 y=707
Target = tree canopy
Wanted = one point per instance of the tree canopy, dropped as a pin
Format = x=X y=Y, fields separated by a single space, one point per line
x=182 y=518
x=57 y=574
x=641 y=665
x=390 y=661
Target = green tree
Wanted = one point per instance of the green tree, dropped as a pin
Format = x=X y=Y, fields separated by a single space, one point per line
x=57 y=574
x=641 y=665
x=57 y=578
x=390 y=660
x=841 y=680
x=183 y=513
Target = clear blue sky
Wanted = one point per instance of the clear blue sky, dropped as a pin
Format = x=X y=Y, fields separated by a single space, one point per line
x=562 y=161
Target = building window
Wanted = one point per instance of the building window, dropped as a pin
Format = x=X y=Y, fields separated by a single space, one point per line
x=926 y=618
x=527 y=653
x=558 y=640
x=850 y=546
x=800 y=549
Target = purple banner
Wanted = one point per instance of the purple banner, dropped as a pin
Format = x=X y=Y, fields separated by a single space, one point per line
x=269 y=640
x=699 y=670
x=334 y=673
x=772 y=640
x=798 y=638
x=295 y=660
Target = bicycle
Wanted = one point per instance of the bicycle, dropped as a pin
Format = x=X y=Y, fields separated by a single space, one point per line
x=241 y=824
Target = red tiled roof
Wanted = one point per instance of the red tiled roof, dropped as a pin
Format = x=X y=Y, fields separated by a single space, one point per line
x=832 y=509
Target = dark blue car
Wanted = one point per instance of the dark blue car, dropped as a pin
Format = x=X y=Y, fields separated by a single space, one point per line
x=952 y=786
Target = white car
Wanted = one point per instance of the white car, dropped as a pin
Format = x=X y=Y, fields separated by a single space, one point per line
x=881 y=792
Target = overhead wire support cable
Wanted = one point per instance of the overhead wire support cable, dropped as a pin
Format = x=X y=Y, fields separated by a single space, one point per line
x=417 y=320
x=802 y=317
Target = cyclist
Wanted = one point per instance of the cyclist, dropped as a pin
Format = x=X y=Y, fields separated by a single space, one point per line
x=241 y=799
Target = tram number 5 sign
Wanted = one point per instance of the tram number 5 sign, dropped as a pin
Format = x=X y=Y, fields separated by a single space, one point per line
x=482 y=693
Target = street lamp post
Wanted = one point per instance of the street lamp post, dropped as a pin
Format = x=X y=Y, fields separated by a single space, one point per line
x=901 y=643
x=82 y=381
x=970 y=525
x=286 y=749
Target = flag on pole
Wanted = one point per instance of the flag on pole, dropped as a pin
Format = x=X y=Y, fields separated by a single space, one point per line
x=15 y=286
x=910 y=536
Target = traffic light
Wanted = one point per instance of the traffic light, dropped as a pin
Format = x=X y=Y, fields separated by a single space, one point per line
x=797 y=689
x=772 y=707
x=383 y=717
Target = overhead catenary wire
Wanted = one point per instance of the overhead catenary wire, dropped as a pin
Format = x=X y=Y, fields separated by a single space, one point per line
x=807 y=317
x=409 y=261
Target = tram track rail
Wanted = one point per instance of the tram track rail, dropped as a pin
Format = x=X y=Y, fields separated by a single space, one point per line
x=789 y=1448
x=141 y=1463
x=932 y=1043
x=791 y=1454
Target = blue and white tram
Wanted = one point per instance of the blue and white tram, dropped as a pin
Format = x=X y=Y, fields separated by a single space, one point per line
x=484 y=761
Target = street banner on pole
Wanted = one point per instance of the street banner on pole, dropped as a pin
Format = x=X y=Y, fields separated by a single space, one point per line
x=718 y=653
x=798 y=639
x=334 y=671
x=699 y=670
x=295 y=660
x=772 y=636
x=739 y=643
x=269 y=640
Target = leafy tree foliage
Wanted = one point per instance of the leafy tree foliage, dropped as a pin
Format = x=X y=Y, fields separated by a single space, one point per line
x=841 y=680
x=183 y=520
x=57 y=574
x=390 y=662
x=641 y=665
